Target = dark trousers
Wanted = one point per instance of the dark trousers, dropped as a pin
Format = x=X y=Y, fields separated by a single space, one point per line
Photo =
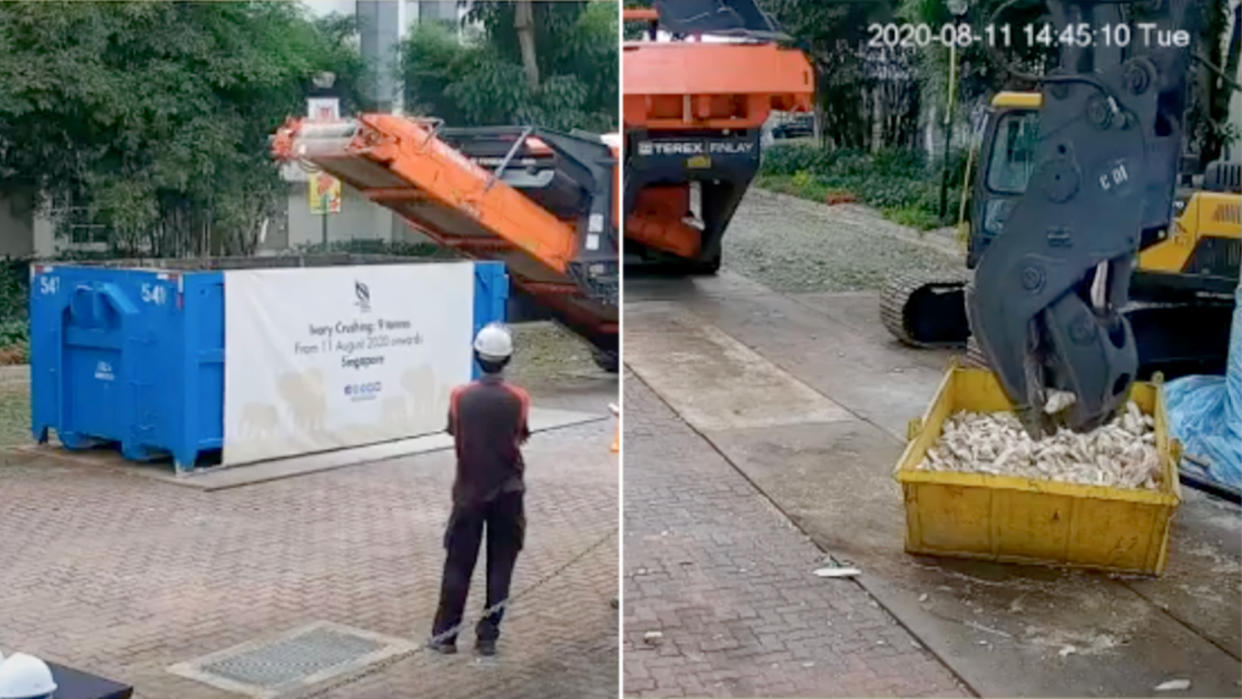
x=506 y=529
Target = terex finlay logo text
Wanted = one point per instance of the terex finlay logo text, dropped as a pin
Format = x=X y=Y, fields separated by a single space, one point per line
x=364 y=296
x=695 y=147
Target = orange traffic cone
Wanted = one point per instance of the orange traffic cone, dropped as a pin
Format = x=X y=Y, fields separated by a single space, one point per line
x=616 y=440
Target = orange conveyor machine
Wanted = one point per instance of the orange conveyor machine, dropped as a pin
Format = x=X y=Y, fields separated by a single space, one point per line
x=543 y=202
x=693 y=112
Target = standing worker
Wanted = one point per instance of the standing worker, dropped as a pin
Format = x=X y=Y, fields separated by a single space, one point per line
x=488 y=421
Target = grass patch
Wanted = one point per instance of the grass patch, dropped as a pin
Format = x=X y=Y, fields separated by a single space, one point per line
x=14 y=326
x=913 y=217
x=14 y=414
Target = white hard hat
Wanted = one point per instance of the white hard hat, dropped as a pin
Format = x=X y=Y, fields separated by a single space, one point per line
x=493 y=342
x=25 y=677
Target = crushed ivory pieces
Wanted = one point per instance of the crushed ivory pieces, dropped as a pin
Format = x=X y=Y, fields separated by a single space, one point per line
x=1121 y=454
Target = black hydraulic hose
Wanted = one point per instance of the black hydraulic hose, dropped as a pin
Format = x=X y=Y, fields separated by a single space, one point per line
x=1198 y=482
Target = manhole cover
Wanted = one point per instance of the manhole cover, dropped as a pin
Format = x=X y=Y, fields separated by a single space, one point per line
x=294 y=660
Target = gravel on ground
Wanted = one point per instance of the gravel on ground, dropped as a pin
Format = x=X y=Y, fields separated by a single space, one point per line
x=14 y=414
x=795 y=246
x=546 y=355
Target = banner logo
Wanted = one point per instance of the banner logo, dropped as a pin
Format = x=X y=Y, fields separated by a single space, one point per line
x=363 y=391
x=364 y=296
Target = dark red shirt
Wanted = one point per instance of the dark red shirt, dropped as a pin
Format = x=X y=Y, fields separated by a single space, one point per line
x=488 y=421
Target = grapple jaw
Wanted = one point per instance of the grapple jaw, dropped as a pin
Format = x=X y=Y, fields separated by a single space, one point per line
x=1046 y=300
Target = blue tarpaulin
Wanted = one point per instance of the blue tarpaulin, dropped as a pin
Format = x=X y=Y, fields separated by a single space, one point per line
x=1206 y=413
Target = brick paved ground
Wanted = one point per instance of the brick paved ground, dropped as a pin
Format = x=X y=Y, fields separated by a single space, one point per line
x=124 y=575
x=727 y=580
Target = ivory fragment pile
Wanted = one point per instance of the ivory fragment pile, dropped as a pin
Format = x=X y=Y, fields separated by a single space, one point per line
x=1121 y=454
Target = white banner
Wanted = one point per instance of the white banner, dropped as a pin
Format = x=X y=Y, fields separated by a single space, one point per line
x=331 y=357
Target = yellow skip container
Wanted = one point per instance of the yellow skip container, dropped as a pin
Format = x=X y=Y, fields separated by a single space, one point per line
x=1023 y=520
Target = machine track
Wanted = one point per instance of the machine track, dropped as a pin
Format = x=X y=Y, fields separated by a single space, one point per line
x=925 y=311
x=1176 y=336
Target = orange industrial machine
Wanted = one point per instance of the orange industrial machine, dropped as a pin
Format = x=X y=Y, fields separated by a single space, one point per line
x=543 y=202
x=693 y=112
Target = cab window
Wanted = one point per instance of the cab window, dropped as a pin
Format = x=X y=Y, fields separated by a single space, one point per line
x=1013 y=153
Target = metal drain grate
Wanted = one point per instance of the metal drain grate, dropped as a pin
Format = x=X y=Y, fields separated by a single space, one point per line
x=295 y=660
x=292 y=659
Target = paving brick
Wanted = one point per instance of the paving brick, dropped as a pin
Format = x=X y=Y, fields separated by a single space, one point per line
x=125 y=575
x=736 y=587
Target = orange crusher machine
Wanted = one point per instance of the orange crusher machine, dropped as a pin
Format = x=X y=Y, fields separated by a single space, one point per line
x=693 y=112
x=543 y=202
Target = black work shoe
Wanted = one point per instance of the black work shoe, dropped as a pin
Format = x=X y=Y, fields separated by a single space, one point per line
x=442 y=647
x=485 y=647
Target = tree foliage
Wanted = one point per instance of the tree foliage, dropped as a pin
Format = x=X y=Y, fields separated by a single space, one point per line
x=155 y=116
x=834 y=37
x=633 y=31
x=484 y=84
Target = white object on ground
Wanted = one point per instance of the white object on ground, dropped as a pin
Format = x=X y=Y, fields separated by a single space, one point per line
x=834 y=572
x=653 y=638
x=1066 y=650
x=1173 y=686
x=1121 y=454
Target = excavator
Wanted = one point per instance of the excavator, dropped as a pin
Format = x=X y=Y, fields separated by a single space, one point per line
x=1078 y=234
x=1180 y=294
x=692 y=112
x=546 y=203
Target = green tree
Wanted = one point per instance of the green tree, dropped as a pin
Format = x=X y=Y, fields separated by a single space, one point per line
x=155 y=116
x=983 y=72
x=633 y=31
x=573 y=84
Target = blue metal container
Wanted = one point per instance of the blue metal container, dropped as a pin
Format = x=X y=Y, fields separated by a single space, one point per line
x=136 y=356
x=491 y=298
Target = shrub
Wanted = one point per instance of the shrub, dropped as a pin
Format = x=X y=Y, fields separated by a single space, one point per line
x=901 y=183
x=364 y=246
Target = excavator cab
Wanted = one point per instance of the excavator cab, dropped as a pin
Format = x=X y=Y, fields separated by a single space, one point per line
x=1007 y=159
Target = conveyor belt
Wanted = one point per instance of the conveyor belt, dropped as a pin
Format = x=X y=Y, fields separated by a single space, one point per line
x=564 y=257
